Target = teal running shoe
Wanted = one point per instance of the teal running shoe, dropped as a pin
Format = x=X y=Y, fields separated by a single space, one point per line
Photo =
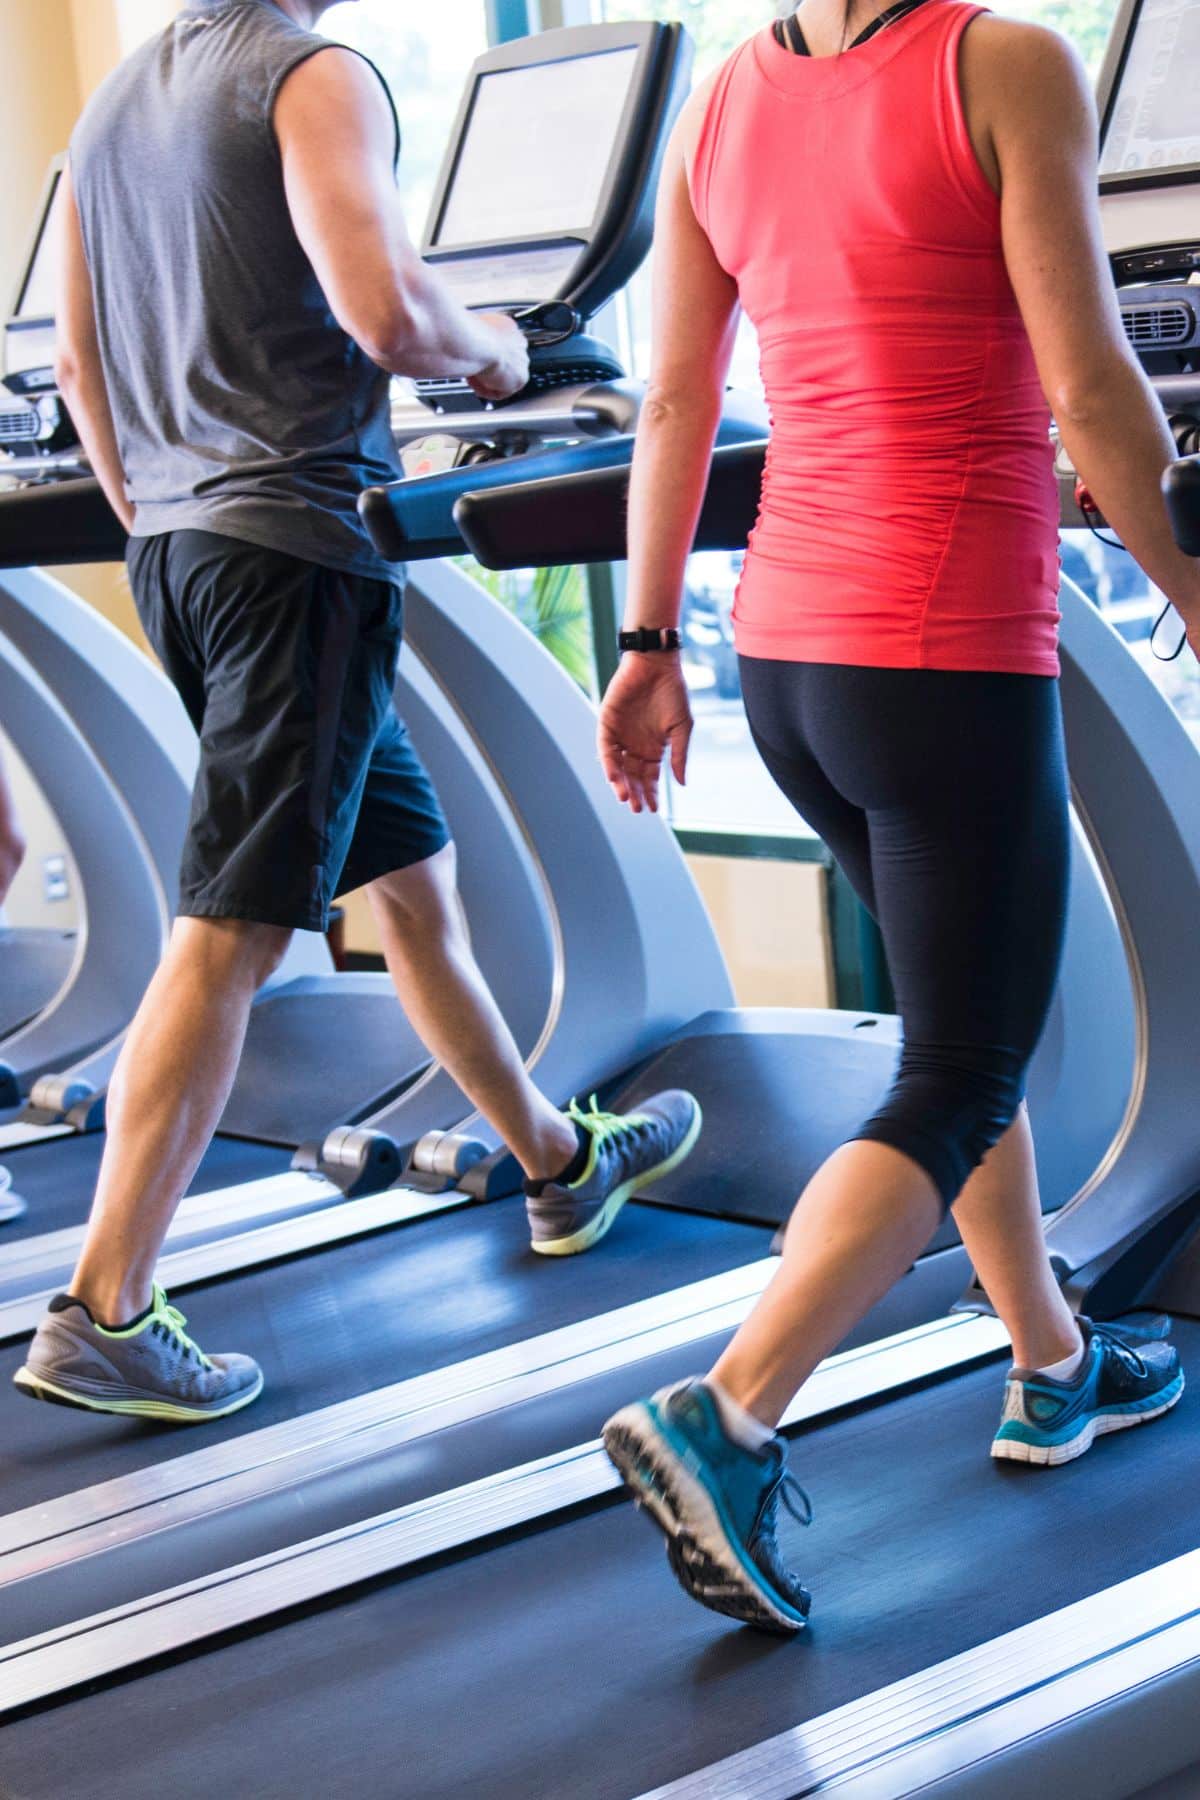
x=717 y=1503
x=149 y=1369
x=1129 y=1376
x=626 y=1154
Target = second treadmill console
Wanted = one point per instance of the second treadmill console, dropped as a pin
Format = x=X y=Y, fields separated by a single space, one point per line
x=33 y=421
x=546 y=195
x=29 y=329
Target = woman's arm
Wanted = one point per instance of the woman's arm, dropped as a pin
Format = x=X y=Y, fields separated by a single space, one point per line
x=695 y=317
x=1042 y=120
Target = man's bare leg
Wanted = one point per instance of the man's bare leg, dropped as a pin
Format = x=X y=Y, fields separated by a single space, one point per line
x=167 y=1095
x=442 y=989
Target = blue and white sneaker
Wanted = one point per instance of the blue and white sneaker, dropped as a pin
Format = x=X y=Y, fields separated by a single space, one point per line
x=1129 y=1376
x=717 y=1502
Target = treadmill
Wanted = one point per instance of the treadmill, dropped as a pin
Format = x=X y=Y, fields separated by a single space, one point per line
x=619 y=979
x=468 y=672
x=616 y=953
x=435 y=1587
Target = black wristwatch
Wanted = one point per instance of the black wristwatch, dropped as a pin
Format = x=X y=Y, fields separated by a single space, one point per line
x=646 y=637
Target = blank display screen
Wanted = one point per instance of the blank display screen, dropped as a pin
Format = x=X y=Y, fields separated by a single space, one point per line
x=537 y=149
x=41 y=281
x=1154 y=122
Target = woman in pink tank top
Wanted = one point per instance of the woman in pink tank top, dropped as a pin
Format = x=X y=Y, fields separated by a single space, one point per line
x=903 y=203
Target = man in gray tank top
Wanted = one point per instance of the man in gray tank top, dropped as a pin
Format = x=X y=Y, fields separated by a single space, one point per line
x=238 y=288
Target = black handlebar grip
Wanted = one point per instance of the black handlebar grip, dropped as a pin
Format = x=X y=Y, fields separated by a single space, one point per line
x=1181 y=489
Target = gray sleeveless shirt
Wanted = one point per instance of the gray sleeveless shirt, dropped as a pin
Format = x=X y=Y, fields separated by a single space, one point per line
x=240 y=404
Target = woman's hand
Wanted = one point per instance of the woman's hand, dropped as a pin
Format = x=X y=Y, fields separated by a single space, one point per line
x=645 y=711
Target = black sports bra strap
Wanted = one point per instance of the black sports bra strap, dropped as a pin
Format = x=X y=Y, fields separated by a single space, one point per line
x=790 y=37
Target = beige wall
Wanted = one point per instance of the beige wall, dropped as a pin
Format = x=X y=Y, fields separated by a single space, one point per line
x=772 y=923
x=41 y=103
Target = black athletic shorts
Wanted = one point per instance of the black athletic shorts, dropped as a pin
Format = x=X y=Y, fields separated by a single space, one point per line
x=308 y=784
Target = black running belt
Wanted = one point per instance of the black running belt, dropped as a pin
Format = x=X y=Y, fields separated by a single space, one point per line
x=359 y=1316
x=58 y=1179
x=591 y=1677
x=790 y=37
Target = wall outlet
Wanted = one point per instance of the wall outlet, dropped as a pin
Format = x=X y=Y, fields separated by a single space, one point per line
x=56 y=878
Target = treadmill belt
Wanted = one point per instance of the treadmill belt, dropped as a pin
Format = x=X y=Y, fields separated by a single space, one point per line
x=368 y=1313
x=58 y=1178
x=33 y=967
x=566 y=1664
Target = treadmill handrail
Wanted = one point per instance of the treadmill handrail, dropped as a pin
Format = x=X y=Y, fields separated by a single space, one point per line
x=414 y=521
x=580 y=516
x=62 y=522
x=1181 y=490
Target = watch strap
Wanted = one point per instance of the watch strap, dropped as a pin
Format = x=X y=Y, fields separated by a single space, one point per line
x=648 y=637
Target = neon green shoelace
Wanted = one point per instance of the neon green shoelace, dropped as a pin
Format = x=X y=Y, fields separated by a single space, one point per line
x=603 y=1126
x=174 y=1321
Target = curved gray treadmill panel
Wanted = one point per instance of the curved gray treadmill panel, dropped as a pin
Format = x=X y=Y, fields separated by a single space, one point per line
x=1136 y=778
x=1082 y=1075
x=635 y=952
x=123 y=907
x=142 y=748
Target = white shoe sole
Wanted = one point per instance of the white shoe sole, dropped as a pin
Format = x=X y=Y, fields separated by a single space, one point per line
x=173 y=1412
x=1054 y=1455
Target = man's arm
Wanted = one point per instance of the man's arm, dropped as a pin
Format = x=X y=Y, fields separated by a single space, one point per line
x=336 y=137
x=77 y=365
x=696 y=314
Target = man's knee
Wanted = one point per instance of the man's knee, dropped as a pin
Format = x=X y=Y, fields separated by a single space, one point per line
x=232 y=952
x=421 y=900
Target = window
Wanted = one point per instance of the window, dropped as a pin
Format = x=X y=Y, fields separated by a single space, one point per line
x=1119 y=588
x=425 y=65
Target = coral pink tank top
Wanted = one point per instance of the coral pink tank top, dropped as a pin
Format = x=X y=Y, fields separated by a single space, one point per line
x=909 y=514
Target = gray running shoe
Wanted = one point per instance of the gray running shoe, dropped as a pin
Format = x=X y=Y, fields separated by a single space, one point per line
x=11 y=1205
x=627 y=1153
x=148 y=1370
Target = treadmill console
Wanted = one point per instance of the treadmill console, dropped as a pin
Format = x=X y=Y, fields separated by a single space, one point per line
x=546 y=194
x=33 y=421
x=1150 y=210
x=1150 y=179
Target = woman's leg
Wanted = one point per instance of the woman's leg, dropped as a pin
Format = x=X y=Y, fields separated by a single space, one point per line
x=961 y=786
x=999 y=1217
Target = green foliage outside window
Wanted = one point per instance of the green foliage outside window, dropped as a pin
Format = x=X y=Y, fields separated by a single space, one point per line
x=553 y=604
x=718 y=26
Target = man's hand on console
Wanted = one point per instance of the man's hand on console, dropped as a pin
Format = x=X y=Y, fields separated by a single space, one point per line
x=509 y=373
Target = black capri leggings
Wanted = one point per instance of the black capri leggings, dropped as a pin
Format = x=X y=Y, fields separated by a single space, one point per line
x=943 y=795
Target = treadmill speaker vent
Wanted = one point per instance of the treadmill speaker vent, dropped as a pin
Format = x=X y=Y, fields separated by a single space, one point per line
x=20 y=427
x=1155 y=325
